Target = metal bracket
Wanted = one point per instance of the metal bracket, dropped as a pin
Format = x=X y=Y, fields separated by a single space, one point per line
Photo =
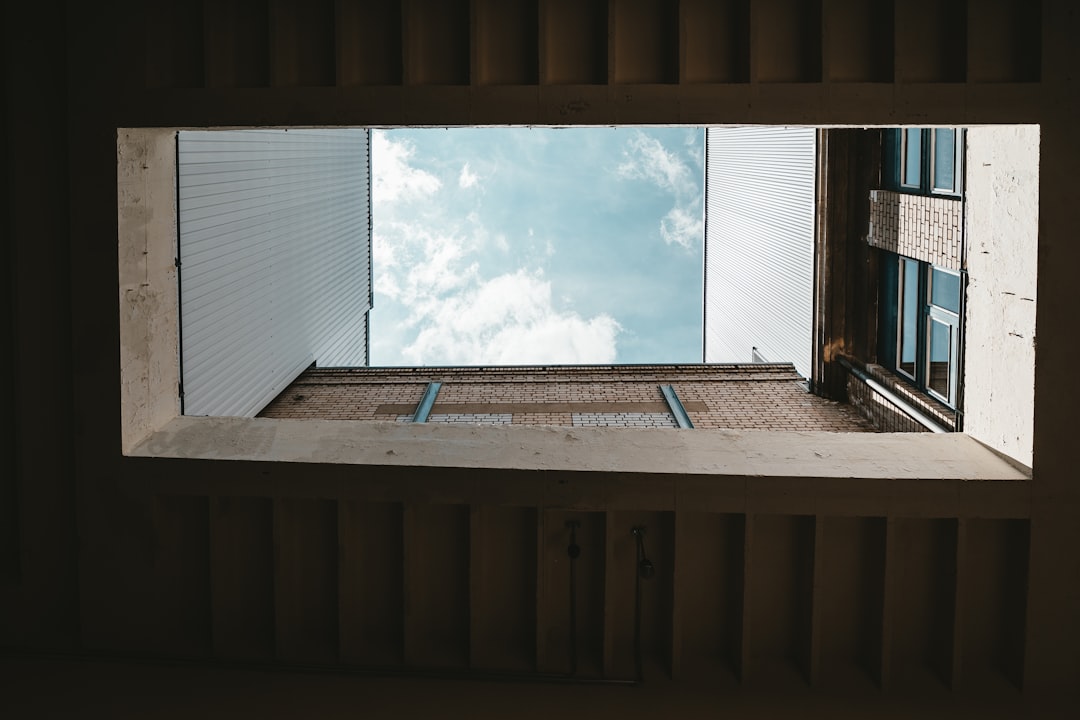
x=677 y=410
x=426 y=402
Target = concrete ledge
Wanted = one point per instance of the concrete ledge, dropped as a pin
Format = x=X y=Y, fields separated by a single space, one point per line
x=748 y=453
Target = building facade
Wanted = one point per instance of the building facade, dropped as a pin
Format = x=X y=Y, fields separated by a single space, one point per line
x=746 y=397
x=793 y=574
x=274 y=260
x=760 y=205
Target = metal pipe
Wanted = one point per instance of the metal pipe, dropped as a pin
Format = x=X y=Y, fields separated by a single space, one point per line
x=426 y=402
x=906 y=407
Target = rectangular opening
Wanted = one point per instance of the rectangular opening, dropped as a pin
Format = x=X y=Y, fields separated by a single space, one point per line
x=638 y=166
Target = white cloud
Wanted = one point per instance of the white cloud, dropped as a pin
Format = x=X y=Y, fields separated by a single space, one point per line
x=646 y=158
x=393 y=178
x=468 y=178
x=455 y=315
x=510 y=319
x=682 y=226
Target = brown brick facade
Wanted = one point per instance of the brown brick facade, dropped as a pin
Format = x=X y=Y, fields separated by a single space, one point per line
x=764 y=397
x=919 y=227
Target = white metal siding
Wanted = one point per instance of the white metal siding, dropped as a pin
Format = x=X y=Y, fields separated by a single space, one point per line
x=759 y=244
x=275 y=254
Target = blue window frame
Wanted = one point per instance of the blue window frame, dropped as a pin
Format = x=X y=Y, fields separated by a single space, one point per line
x=921 y=309
x=924 y=161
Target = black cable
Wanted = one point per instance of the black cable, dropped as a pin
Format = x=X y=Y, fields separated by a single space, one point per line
x=638 y=671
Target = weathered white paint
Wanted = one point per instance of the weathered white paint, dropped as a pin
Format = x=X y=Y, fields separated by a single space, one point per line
x=146 y=224
x=275 y=248
x=1001 y=226
x=747 y=453
x=759 y=244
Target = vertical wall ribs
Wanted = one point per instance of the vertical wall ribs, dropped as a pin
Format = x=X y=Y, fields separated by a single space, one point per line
x=775 y=600
x=282 y=43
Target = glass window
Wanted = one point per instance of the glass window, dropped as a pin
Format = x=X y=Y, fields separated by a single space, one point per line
x=945 y=290
x=909 y=316
x=945 y=170
x=939 y=376
x=911 y=175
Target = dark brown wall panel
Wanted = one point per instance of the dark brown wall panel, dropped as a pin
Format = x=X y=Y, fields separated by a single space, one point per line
x=306 y=579
x=38 y=546
x=849 y=596
x=786 y=37
x=1004 y=41
x=242 y=576
x=437 y=585
x=715 y=41
x=779 y=582
x=995 y=599
x=503 y=588
x=657 y=595
x=858 y=40
x=931 y=41
x=709 y=555
x=506 y=50
x=555 y=652
x=9 y=473
x=302 y=43
x=368 y=42
x=181 y=552
x=436 y=42
x=922 y=593
x=370 y=582
x=645 y=39
x=174 y=51
x=236 y=43
x=574 y=42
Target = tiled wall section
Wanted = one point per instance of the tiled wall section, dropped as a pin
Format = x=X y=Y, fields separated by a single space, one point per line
x=641 y=420
x=764 y=396
x=925 y=228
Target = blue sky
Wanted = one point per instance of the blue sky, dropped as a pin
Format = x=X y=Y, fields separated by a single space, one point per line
x=537 y=245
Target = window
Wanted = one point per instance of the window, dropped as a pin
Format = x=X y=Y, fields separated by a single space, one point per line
x=925 y=161
x=920 y=337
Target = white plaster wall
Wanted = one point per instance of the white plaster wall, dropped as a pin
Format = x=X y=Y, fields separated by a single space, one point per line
x=1001 y=224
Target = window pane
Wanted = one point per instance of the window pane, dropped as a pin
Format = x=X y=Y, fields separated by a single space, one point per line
x=909 y=315
x=945 y=160
x=940 y=358
x=945 y=290
x=912 y=158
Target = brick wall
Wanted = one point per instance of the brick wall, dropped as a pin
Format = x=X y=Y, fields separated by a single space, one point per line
x=764 y=396
x=887 y=417
x=924 y=228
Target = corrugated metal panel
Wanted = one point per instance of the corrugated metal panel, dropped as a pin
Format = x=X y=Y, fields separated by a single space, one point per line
x=759 y=244
x=276 y=257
